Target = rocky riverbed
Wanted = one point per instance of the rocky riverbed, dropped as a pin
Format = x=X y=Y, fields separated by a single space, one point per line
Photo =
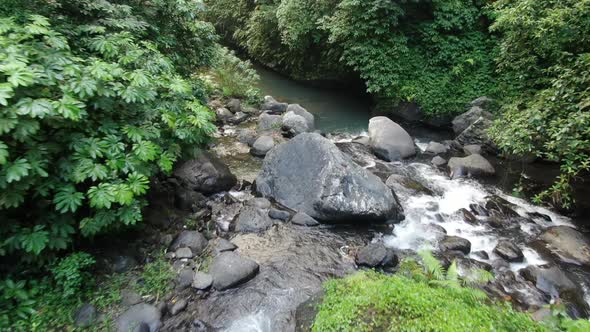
x=280 y=207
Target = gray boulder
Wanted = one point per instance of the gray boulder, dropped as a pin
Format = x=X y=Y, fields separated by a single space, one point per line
x=509 y=251
x=184 y=253
x=311 y=175
x=436 y=148
x=252 y=219
x=222 y=245
x=375 y=255
x=270 y=104
x=234 y=105
x=177 y=307
x=206 y=174
x=298 y=110
x=567 y=244
x=463 y=121
x=262 y=145
x=269 y=122
x=238 y=118
x=474 y=165
x=294 y=124
x=477 y=134
x=184 y=278
x=455 y=243
x=303 y=219
x=223 y=114
x=140 y=317
x=190 y=239
x=472 y=149
x=85 y=316
x=389 y=140
x=202 y=281
x=229 y=270
x=438 y=161
x=247 y=136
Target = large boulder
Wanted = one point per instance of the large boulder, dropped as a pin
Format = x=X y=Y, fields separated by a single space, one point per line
x=229 y=269
x=436 y=148
x=270 y=104
x=463 y=121
x=477 y=134
x=567 y=244
x=455 y=243
x=474 y=165
x=298 y=110
x=206 y=174
x=310 y=174
x=252 y=219
x=376 y=254
x=140 y=317
x=509 y=251
x=389 y=140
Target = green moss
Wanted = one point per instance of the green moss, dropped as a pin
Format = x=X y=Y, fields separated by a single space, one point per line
x=369 y=301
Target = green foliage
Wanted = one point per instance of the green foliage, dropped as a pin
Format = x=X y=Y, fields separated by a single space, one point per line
x=234 y=77
x=90 y=109
x=156 y=278
x=545 y=54
x=70 y=273
x=370 y=301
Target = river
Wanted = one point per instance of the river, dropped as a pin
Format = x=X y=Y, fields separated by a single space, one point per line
x=294 y=263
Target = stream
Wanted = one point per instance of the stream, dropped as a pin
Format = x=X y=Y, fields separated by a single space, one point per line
x=294 y=261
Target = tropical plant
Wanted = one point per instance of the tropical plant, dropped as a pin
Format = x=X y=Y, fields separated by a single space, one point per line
x=545 y=53
x=234 y=77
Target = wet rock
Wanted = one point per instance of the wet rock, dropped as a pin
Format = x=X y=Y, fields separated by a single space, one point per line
x=538 y=215
x=189 y=200
x=294 y=124
x=481 y=254
x=279 y=214
x=509 y=251
x=123 y=263
x=238 y=118
x=184 y=278
x=432 y=206
x=85 y=315
x=202 y=281
x=436 y=148
x=400 y=183
x=247 y=136
x=438 y=161
x=270 y=104
x=376 y=254
x=222 y=245
x=206 y=174
x=548 y=279
x=303 y=219
x=262 y=146
x=252 y=219
x=472 y=149
x=229 y=270
x=476 y=134
x=234 y=105
x=438 y=231
x=363 y=140
x=567 y=244
x=478 y=210
x=268 y=122
x=503 y=222
x=463 y=121
x=498 y=206
x=190 y=239
x=129 y=297
x=178 y=306
x=468 y=216
x=138 y=315
x=311 y=175
x=223 y=114
x=198 y=325
x=184 y=253
x=360 y=154
x=455 y=243
x=474 y=165
x=298 y=110
x=389 y=140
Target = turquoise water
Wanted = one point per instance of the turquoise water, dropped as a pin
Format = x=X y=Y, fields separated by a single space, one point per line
x=335 y=110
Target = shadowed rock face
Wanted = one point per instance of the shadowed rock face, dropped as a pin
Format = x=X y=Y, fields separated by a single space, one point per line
x=294 y=261
x=206 y=174
x=310 y=174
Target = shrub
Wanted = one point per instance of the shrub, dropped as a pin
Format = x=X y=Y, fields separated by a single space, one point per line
x=234 y=77
x=545 y=53
x=70 y=273
x=156 y=278
x=369 y=301
x=83 y=129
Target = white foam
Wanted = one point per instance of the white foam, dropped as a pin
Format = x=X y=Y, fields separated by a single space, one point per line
x=258 y=322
